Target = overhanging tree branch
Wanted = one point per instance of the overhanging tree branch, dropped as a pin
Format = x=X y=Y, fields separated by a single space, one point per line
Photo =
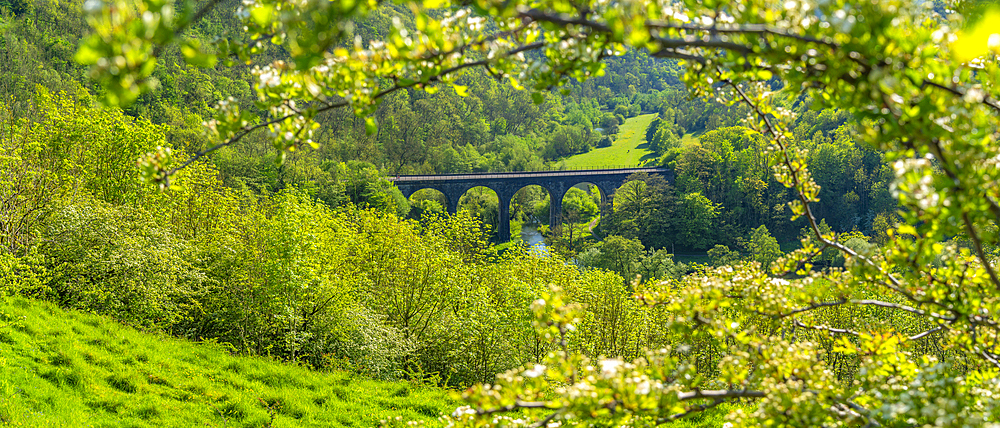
x=689 y=411
x=750 y=29
x=339 y=104
x=181 y=29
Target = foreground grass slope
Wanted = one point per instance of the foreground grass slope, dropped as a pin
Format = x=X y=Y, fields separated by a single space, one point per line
x=628 y=149
x=68 y=368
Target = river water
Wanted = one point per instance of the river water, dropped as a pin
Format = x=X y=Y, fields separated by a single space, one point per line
x=534 y=240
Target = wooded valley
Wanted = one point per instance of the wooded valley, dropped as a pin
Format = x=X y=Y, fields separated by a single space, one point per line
x=823 y=252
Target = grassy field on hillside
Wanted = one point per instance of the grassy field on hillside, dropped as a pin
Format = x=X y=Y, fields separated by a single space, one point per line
x=69 y=368
x=688 y=139
x=73 y=369
x=628 y=149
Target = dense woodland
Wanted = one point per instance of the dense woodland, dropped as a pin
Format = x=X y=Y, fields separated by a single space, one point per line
x=80 y=220
x=724 y=188
x=311 y=256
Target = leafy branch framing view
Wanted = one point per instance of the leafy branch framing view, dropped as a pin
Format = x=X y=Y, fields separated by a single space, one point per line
x=904 y=334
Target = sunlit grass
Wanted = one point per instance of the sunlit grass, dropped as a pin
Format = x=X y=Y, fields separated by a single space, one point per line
x=688 y=139
x=629 y=148
x=69 y=368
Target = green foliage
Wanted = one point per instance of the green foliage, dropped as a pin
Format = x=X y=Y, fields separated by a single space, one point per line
x=21 y=275
x=721 y=255
x=660 y=134
x=64 y=142
x=696 y=215
x=281 y=274
x=423 y=208
x=762 y=247
x=881 y=225
x=904 y=112
x=891 y=340
x=629 y=259
x=615 y=253
x=484 y=204
x=117 y=261
x=15 y=7
x=644 y=209
x=567 y=140
x=660 y=265
x=808 y=238
x=612 y=323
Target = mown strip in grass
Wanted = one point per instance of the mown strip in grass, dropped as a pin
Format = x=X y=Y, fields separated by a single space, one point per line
x=69 y=368
x=627 y=150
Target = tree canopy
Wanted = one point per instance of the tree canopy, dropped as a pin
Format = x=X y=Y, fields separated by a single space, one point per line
x=906 y=335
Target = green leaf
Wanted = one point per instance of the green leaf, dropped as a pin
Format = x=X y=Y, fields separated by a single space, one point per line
x=262 y=14
x=87 y=55
x=194 y=55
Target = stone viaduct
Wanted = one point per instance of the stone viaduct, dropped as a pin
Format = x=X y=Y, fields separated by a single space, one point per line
x=506 y=184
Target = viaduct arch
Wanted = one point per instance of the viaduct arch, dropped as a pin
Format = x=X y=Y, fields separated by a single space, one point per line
x=506 y=184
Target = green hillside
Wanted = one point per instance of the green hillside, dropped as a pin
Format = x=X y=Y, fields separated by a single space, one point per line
x=68 y=368
x=628 y=149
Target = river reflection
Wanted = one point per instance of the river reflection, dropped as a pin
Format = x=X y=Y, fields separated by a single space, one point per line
x=533 y=239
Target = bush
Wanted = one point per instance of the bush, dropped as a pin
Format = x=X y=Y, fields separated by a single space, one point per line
x=117 y=261
x=721 y=255
x=369 y=346
x=21 y=275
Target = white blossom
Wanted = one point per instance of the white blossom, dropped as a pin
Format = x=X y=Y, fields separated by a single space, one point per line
x=92 y=6
x=643 y=388
x=976 y=95
x=609 y=368
x=268 y=78
x=536 y=371
x=463 y=411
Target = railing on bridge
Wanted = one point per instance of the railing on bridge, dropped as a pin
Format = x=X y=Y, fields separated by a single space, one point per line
x=590 y=167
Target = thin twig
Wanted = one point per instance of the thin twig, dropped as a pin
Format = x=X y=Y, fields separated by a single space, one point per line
x=544 y=421
x=517 y=405
x=863 y=412
x=959 y=188
x=978 y=244
x=331 y=106
x=960 y=92
x=746 y=29
x=690 y=410
x=807 y=210
x=179 y=31
x=805 y=309
x=693 y=42
x=925 y=334
x=904 y=308
x=720 y=393
x=538 y=15
x=828 y=329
